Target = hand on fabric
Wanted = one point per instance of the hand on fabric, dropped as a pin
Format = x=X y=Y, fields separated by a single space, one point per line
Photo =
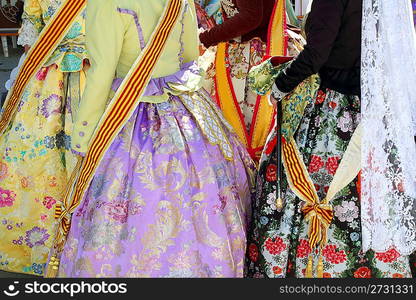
x=27 y=48
x=262 y=77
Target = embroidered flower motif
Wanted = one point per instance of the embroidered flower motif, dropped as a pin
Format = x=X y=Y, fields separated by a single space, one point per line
x=388 y=256
x=51 y=105
x=355 y=236
x=277 y=270
x=253 y=252
x=36 y=237
x=303 y=249
x=345 y=123
x=48 y=202
x=41 y=75
x=316 y=164
x=38 y=268
x=24 y=182
x=326 y=275
x=320 y=97
x=346 y=212
x=397 y=275
x=3 y=170
x=271 y=201
x=275 y=247
x=118 y=211
x=333 y=256
x=332 y=104
x=7 y=198
x=52 y=181
x=332 y=165
x=271 y=173
x=362 y=272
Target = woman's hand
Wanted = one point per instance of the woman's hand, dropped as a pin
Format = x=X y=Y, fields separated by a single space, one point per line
x=27 y=48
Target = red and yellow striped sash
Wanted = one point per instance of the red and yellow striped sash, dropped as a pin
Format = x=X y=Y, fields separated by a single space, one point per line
x=319 y=214
x=48 y=40
x=264 y=114
x=117 y=114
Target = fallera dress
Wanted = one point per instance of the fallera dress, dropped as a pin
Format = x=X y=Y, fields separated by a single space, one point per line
x=172 y=194
x=35 y=156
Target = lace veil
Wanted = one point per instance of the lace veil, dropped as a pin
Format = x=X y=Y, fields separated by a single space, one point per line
x=388 y=179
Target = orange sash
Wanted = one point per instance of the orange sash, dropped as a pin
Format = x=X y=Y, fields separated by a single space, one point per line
x=264 y=114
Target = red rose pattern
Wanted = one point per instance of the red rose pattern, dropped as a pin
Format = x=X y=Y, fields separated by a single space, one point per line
x=303 y=249
x=275 y=246
x=389 y=256
x=253 y=252
x=332 y=165
x=320 y=97
x=271 y=173
x=333 y=256
x=277 y=270
x=362 y=272
x=316 y=164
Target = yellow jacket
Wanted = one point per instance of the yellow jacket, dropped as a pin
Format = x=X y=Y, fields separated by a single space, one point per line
x=116 y=32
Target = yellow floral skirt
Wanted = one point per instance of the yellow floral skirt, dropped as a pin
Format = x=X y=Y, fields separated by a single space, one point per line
x=35 y=164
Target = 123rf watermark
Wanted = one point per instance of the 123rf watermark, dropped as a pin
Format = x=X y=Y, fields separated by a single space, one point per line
x=62 y=288
x=366 y=289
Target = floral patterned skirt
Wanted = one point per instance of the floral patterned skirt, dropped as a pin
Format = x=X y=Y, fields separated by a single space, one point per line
x=164 y=201
x=278 y=241
x=35 y=163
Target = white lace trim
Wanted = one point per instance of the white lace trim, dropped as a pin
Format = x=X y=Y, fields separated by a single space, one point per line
x=28 y=34
x=389 y=123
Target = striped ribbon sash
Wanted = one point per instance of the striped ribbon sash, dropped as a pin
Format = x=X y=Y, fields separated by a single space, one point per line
x=117 y=114
x=319 y=214
x=47 y=42
x=264 y=114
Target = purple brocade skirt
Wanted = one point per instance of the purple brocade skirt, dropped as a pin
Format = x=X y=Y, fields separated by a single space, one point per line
x=165 y=201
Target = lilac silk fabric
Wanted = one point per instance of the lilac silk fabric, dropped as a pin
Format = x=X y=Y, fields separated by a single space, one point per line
x=164 y=202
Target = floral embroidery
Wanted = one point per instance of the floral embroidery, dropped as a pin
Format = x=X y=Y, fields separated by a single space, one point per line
x=332 y=165
x=322 y=144
x=48 y=202
x=7 y=198
x=315 y=164
x=41 y=74
x=3 y=170
x=271 y=172
x=253 y=252
x=51 y=105
x=35 y=163
x=333 y=255
x=36 y=237
x=303 y=249
x=389 y=256
x=275 y=246
x=347 y=211
x=362 y=272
